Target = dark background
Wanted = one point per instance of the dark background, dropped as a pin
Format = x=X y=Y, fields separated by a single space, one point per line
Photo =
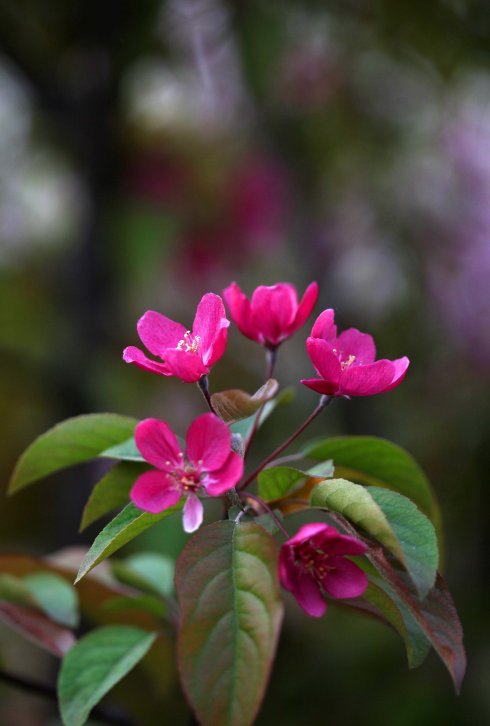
x=151 y=152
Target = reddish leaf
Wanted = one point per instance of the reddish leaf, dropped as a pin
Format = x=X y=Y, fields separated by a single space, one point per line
x=226 y=581
x=436 y=615
x=35 y=626
x=235 y=404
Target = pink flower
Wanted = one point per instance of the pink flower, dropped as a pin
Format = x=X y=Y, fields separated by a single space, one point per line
x=186 y=354
x=313 y=560
x=273 y=313
x=346 y=362
x=211 y=467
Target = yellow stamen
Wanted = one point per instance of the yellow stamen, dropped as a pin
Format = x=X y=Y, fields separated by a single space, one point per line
x=188 y=343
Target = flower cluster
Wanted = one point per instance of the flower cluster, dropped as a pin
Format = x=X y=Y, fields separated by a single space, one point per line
x=313 y=562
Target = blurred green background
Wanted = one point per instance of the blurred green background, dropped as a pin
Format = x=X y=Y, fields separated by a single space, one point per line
x=153 y=151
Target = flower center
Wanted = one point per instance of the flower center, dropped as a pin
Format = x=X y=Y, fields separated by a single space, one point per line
x=313 y=561
x=344 y=362
x=189 y=343
x=187 y=478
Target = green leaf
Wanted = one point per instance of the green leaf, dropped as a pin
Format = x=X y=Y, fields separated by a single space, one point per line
x=392 y=519
x=71 y=442
x=127 y=525
x=111 y=491
x=369 y=460
x=126 y=451
x=231 y=612
x=147 y=571
x=94 y=665
x=436 y=615
x=278 y=481
x=55 y=596
x=236 y=405
x=14 y=590
x=415 y=533
x=385 y=601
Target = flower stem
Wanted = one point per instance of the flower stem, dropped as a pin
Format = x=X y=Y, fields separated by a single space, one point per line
x=271 y=358
x=264 y=505
x=323 y=403
x=203 y=385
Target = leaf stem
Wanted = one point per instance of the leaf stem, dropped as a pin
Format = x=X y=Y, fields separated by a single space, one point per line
x=323 y=403
x=264 y=505
x=204 y=387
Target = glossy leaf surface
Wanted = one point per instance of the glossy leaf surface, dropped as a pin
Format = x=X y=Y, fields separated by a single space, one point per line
x=226 y=581
x=71 y=442
x=95 y=665
x=389 y=517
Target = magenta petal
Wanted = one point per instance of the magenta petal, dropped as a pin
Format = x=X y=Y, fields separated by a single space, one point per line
x=185 y=365
x=307 y=593
x=134 y=355
x=306 y=305
x=346 y=580
x=337 y=544
x=208 y=442
x=241 y=312
x=159 y=332
x=158 y=444
x=401 y=366
x=367 y=380
x=220 y=481
x=288 y=572
x=274 y=308
x=307 y=531
x=320 y=386
x=353 y=342
x=324 y=327
x=193 y=513
x=324 y=360
x=210 y=325
x=153 y=492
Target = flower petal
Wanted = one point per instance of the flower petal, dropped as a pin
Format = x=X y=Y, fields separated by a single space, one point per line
x=158 y=444
x=346 y=580
x=367 y=380
x=320 y=386
x=241 y=312
x=193 y=513
x=158 y=332
x=324 y=327
x=401 y=367
x=308 y=302
x=208 y=442
x=210 y=324
x=186 y=365
x=274 y=308
x=325 y=361
x=307 y=531
x=134 y=355
x=153 y=492
x=353 y=342
x=288 y=571
x=335 y=544
x=220 y=481
x=307 y=593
